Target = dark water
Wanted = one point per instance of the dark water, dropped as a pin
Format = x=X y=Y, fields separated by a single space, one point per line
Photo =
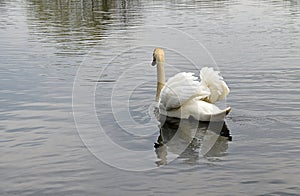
x=95 y=136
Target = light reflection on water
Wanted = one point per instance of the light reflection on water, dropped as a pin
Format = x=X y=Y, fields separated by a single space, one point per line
x=256 y=46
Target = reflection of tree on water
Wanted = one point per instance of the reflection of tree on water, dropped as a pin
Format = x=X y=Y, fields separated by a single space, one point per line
x=74 y=25
x=189 y=138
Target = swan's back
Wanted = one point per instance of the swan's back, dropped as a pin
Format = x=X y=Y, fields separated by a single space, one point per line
x=179 y=89
x=184 y=87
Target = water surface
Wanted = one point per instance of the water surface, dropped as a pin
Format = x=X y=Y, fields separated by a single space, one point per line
x=255 y=45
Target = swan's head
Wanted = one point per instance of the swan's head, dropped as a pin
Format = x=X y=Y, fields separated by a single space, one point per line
x=158 y=56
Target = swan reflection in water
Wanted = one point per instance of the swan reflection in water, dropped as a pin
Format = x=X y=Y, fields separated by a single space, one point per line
x=188 y=139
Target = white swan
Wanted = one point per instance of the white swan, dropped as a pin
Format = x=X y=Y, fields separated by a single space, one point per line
x=184 y=96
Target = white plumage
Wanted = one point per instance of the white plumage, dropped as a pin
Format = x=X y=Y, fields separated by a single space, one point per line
x=185 y=95
x=215 y=83
x=181 y=88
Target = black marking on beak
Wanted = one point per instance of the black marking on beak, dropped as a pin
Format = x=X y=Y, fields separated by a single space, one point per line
x=154 y=61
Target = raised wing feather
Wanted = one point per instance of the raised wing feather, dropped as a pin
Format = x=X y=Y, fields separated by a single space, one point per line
x=217 y=87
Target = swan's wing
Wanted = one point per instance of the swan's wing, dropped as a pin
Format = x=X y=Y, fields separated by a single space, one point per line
x=181 y=88
x=212 y=80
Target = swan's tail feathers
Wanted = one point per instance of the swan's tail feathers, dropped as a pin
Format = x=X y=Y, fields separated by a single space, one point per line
x=214 y=82
x=228 y=110
x=220 y=115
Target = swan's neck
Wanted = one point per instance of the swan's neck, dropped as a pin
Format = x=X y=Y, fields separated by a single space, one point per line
x=160 y=79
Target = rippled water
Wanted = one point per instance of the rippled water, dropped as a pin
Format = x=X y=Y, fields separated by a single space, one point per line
x=255 y=45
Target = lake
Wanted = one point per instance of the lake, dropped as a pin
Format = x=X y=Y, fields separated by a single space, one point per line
x=77 y=97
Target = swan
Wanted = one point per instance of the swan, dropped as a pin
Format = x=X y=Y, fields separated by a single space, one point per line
x=184 y=95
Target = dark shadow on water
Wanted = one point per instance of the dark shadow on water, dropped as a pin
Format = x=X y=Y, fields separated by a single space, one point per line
x=191 y=139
